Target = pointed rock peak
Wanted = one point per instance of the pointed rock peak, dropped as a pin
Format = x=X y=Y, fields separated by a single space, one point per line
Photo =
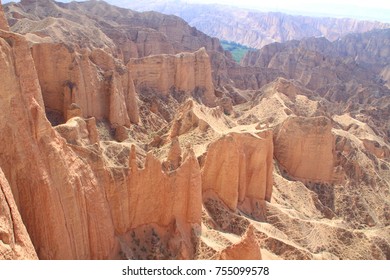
x=3 y=20
x=246 y=249
x=188 y=152
x=201 y=51
x=133 y=158
x=151 y=161
x=174 y=156
x=188 y=105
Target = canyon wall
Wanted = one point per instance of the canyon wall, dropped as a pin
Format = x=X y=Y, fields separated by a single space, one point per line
x=64 y=185
x=3 y=20
x=241 y=178
x=80 y=201
x=305 y=147
x=15 y=241
x=99 y=84
x=185 y=72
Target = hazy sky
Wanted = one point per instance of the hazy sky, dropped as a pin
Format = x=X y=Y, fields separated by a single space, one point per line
x=367 y=9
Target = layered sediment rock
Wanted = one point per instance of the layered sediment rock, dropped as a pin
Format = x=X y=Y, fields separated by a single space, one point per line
x=54 y=189
x=304 y=148
x=3 y=20
x=246 y=249
x=185 y=73
x=99 y=84
x=170 y=203
x=15 y=241
x=241 y=177
x=72 y=197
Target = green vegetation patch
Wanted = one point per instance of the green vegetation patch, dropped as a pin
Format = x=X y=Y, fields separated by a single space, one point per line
x=238 y=51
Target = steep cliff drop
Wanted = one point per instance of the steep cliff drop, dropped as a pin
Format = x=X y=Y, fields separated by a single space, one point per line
x=16 y=243
x=3 y=20
x=186 y=73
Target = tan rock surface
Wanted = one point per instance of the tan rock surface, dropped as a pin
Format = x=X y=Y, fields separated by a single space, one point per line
x=242 y=178
x=94 y=80
x=15 y=241
x=134 y=34
x=3 y=20
x=304 y=148
x=246 y=249
x=170 y=203
x=46 y=185
x=185 y=72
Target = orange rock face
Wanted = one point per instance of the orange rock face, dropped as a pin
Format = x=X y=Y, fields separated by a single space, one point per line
x=241 y=177
x=100 y=85
x=170 y=203
x=304 y=147
x=15 y=241
x=54 y=190
x=3 y=20
x=185 y=72
x=246 y=249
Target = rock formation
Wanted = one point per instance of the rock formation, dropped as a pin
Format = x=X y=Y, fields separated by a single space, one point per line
x=15 y=241
x=3 y=20
x=43 y=182
x=246 y=249
x=241 y=178
x=185 y=72
x=100 y=85
x=304 y=148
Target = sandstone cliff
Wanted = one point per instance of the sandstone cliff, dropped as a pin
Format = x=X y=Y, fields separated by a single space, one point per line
x=304 y=147
x=3 y=20
x=98 y=83
x=185 y=73
x=43 y=182
x=241 y=178
x=66 y=188
x=16 y=243
x=247 y=249
x=341 y=72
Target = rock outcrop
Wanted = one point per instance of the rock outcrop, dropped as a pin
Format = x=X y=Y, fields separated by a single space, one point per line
x=241 y=178
x=98 y=83
x=15 y=241
x=54 y=190
x=246 y=249
x=184 y=73
x=304 y=148
x=3 y=20
x=79 y=201
x=169 y=201
x=353 y=59
x=131 y=33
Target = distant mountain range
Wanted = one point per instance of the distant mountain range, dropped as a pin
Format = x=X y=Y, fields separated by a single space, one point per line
x=254 y=28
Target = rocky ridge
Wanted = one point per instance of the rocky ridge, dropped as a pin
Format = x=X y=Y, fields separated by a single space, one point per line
x=254 y=28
